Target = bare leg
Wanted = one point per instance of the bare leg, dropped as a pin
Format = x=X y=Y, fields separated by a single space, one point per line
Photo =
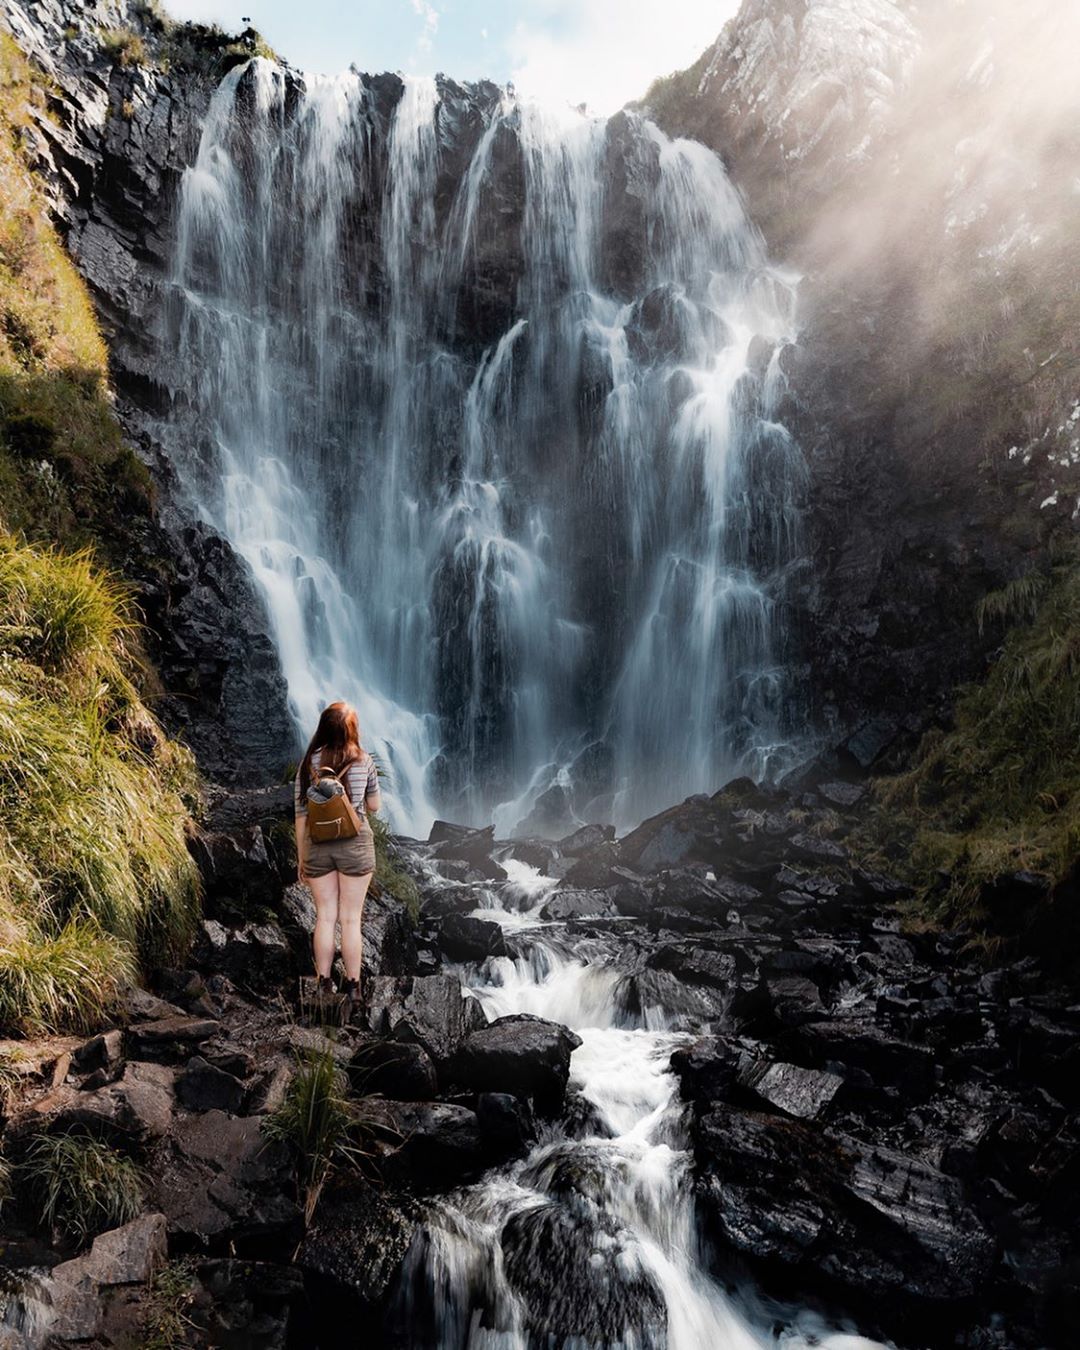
x=325 y=892
x=353 y=893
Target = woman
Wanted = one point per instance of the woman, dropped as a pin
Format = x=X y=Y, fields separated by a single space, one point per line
x=339 y=871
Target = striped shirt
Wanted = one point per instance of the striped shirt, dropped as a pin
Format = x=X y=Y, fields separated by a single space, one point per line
x=361 y=781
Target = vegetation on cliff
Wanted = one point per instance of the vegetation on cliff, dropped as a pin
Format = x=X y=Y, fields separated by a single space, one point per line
x=998 y=793
x=95 y=875
x=65 y=471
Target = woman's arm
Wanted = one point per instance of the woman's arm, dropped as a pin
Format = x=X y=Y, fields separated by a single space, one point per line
x=301 y=839
x=373 y=802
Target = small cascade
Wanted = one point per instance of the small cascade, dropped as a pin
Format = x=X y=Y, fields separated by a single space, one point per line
x=487 y=396
x=590 y=1241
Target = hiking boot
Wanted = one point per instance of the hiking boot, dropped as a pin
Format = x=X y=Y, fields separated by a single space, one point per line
x=350 y=992
x=325 y=987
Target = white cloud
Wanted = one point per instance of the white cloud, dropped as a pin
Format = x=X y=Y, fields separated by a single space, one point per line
x=608 y=52
x=430 y=16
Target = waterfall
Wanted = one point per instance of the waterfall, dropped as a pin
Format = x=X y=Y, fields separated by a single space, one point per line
x=591 y=1239
x=486 y=396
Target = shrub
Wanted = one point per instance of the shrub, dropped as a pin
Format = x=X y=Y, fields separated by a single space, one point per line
x=319 y=1123
x=78 y=1185
x=124 y=47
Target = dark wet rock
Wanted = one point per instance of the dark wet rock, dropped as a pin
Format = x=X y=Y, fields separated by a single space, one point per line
x=585 y=840
x=578 y=904
x=396 y=1069
x=220 y=1177
x=594 y=870
x=203 y=1086
x=805 y=1093
x=855 y=1041
x=815 y=849
x=439 y=901
x=79 y=1300
x=708 y=1070
x=389 y=943
x=441 y=1144
x=870 y=1219
x=256 y=957
x=695 y=963
x=359 y=1238
x=430 y=1010
x=236 y=866
x=143 y=1006
x=525 y=1055
x=457 y=843
x=506 y=1121
x=464 y=937
x=244 y=1303
x=581 y=1278
x=538 y=853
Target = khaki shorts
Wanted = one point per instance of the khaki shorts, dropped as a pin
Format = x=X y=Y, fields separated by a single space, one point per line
x=353 y=857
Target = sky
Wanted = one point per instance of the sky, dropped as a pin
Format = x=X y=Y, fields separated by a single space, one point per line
x=599 y=52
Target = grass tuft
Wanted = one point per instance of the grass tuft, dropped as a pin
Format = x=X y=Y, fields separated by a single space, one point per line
x=95 y=874
x=165 y=1323
x=390 y=877
x=321 y=1125
x=79 y=1186
x=124 y=47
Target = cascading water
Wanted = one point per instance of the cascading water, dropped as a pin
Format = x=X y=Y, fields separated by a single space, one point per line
x=589 y=1242
x=485 y=395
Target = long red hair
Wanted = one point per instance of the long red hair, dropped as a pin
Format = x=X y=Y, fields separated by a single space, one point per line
x=337 y=738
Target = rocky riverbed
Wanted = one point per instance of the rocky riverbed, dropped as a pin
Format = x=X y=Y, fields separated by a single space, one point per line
x=612 y=1086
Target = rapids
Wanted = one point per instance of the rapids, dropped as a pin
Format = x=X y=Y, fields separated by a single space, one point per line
x=589 y=1242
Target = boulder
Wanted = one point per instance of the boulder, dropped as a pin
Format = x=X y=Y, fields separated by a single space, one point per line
x=805 y=1093
x=581 y=1278
x=463 y=937
x=875 y=1221
x=585 y=840
x=243 y=1303
x=126 y=1255
x=359 y=1237
x=429 y=1010
x=204 y=1087
x=139 y=1105
x=396 y=1069
x=103 y=1051
x=578 y=904
x=236 y=867
x=521 y=1054
x=219 y=1178
x=256 y=956
x=441 y=1145
x=169 y=1036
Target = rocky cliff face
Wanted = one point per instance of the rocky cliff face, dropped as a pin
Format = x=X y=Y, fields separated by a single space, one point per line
x=913 y=165
x=107 y=151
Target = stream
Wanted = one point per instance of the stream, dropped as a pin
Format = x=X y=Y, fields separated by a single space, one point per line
x=590 y=1241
